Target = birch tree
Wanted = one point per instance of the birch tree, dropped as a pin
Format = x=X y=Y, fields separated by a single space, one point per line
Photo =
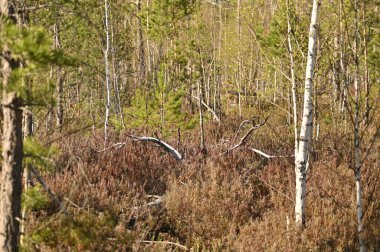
x=11 y=186
x=293 y=80
x=107 y=74
x=357 y=156
x=302 y=156
x=60 y=79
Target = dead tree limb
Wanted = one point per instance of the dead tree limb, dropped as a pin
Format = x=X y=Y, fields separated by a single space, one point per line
x=209 y=109
x=249 y=132
x=160 y=143
x=46 y=187
x=242 y=125
x=267 y=156
x=166 y=243
x=119 y=145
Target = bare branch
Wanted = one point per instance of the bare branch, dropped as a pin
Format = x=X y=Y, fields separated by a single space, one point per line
x=45 y=186
x=244 y=138
x=166 y=243
x=209 y=109
x=267 y=155
x=162 y=144
x=119 y=145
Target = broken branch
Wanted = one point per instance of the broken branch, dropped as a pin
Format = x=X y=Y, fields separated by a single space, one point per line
x=162 y=144
x=244 y=138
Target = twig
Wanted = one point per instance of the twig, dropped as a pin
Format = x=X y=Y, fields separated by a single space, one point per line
x=115 y=145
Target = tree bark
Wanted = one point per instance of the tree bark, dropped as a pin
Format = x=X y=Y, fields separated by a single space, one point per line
x=200 y=95
x=27 y=132
x=11 y=186
x=357 y=156
x=59 y=87
x=142 y=71
x=294 y=84
x=106 y=51
x=307 y=122
x=239 y=56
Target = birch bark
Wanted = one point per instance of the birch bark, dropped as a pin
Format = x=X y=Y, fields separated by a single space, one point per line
x=59 y=87
x=357 y=156
x=307 y=122
x=106 y=51
x=294 y=84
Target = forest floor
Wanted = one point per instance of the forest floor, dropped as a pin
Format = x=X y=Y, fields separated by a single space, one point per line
x=210 y=200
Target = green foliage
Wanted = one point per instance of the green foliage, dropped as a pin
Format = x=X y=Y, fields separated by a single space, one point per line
x=39 y=156
x=32 y=47
x=35 y=199
x=82 y=231
x=162 y=109
x=164 y=16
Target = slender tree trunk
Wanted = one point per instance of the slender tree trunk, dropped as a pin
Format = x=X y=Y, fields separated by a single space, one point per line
x=218 y=111
x=294 y=84
x=59 y=86
x=116 y=77
x=343 y=92
x=200 y=95
x=106 y=51
x=357 y=155
x=239 y=55
x=27 y=132
x=141 y=47
x=307 y=122
x=366 y=77
x=11 y=175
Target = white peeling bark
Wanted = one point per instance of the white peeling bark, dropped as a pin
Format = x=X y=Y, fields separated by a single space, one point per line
x=294 y=84
x=358 y=164
x=106 y=51
x=307 y=122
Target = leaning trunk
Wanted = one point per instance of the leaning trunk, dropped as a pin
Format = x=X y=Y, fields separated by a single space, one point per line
x=307 y=122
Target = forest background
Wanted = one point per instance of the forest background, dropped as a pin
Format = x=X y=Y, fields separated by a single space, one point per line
x=219 y=85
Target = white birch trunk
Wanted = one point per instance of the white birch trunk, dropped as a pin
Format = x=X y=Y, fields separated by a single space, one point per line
x=239 y=56
x=106 y=51
x=116 y=77
x=357 y=156
x=294 y=84
x=200 y=95
x=307 y=122
x=59 y=87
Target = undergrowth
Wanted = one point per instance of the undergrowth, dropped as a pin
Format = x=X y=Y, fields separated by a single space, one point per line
x=212 y=201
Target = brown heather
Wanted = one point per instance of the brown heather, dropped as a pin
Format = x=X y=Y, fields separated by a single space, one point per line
x=213 y=202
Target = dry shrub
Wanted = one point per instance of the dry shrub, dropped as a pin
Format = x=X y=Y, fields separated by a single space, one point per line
x=216 y=201
x=112 y=179
x=211 y=206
